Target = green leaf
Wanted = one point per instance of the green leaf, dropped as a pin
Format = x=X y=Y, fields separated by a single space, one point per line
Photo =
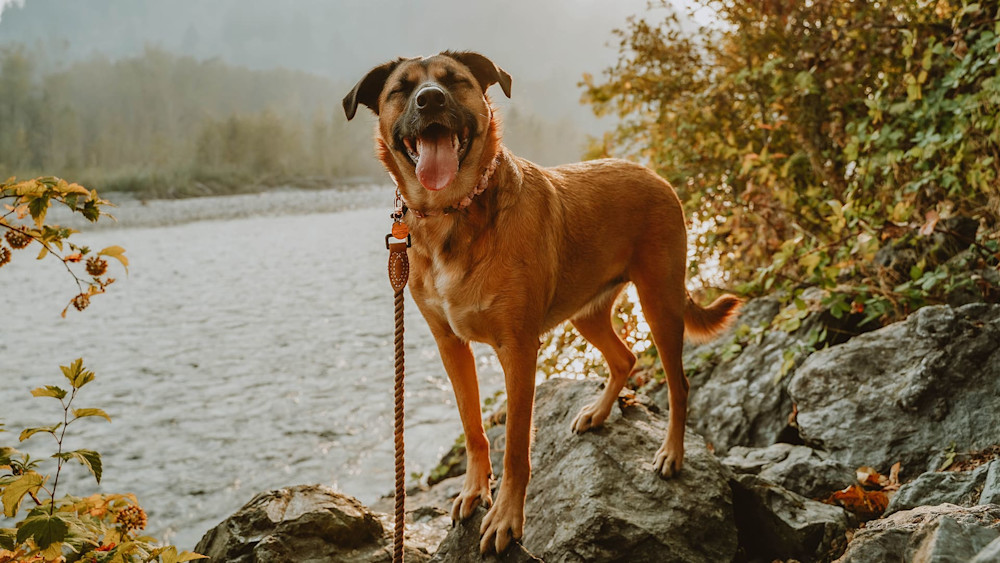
x=29 y=432
x=38 y=207
x=14 y=492
x=88 y=458
x=80 y=413
x=43 y=528
x=7 y=538
x=49 y=391
x=70 y=201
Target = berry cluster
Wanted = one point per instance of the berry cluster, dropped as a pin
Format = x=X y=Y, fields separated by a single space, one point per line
x=131 y=518
x=17 y=239
x=96 y=266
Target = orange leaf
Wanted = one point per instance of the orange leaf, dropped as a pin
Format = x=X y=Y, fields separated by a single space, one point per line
x=869 y=477
x=75 y=257
x=866 y=505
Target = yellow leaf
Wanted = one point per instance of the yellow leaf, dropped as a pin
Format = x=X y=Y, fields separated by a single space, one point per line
x=75 y=189
x=116 y=252
x=29 y=188
x=16 y=490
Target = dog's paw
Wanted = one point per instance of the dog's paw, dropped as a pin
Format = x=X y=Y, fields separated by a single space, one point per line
x=472 y=495
x=503 y=524
x=590 y=416
x=668 y=461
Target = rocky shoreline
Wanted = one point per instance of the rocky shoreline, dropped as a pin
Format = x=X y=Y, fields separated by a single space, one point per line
x=877 y=447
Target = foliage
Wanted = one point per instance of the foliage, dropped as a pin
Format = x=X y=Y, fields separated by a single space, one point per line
x=98 y=528
x=34 y=198
x=164 y=126
x=159 y=123
x=804 y=137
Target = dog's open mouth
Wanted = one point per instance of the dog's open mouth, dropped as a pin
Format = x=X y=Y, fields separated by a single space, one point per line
x=436 y=152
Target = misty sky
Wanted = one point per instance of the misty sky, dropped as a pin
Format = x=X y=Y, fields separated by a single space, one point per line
x=546 y=45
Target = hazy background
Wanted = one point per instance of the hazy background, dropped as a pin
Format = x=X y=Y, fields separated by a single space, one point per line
x=184 y=97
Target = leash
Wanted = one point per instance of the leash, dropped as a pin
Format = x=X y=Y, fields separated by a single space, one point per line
x=399 y=273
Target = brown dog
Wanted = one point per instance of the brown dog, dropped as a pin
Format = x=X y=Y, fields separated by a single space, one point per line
x=504 y=250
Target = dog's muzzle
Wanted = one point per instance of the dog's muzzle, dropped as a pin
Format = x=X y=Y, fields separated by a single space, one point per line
x=435 y=137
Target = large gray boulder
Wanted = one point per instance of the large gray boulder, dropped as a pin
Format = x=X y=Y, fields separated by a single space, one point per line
x=905 y=392
x=991 y=485
x=799 y=469
x=308 y=524
x=740 y=401
x=739 y=380
x=963 y=488
x=928 y=534
x=595 y=497
x=462 y=544
x=989 y=554
x=777 y=524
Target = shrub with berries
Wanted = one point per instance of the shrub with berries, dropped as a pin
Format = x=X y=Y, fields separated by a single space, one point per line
x=22 y=221
x=100 y=528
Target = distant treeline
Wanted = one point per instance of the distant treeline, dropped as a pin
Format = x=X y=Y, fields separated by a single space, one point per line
x=163 y=125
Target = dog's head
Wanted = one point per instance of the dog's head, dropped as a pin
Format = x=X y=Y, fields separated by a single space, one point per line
x=436 y=124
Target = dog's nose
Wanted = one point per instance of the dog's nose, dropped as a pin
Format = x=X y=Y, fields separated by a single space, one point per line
x=430 y=97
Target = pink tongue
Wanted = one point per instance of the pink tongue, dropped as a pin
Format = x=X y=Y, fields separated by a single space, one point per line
x=438 y=161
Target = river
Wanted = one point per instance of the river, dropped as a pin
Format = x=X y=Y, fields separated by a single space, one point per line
x=248 y=348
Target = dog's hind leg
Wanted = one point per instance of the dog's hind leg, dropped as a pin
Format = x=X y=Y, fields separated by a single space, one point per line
x=663 y=300
x=595 y=325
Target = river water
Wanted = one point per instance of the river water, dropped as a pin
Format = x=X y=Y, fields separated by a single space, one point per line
x=249 y=348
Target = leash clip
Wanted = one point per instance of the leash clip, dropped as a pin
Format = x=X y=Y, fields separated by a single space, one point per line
x=409 y=241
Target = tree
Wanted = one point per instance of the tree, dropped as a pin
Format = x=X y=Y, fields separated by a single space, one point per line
x=806 y=136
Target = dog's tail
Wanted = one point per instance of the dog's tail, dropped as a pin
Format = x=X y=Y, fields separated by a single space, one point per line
x=704 y=323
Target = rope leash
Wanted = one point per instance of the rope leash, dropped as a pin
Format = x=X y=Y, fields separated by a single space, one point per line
x=399 y=273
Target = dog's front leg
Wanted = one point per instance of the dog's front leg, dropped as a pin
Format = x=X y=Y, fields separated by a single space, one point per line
x=505 y=521
x=461 y=367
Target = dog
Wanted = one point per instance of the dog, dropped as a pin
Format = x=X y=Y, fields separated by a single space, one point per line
x=504 y=250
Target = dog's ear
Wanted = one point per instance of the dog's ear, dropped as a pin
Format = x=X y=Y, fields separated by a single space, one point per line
x=368 y=89
x=485 y=70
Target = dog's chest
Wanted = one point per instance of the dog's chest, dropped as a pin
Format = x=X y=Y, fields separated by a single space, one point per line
x=456 y=291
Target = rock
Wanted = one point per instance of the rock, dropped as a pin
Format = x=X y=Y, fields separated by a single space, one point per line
x=775 y=523
x=962 y=488
x=799 y=469
x=462 y=544
x=453 y=463
x=927 y=534
x=305 y=523
x=906 y=391
x=989 y=554
x=991 y=484
x=743 y=401
x=594 y=497
x=718 y=404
